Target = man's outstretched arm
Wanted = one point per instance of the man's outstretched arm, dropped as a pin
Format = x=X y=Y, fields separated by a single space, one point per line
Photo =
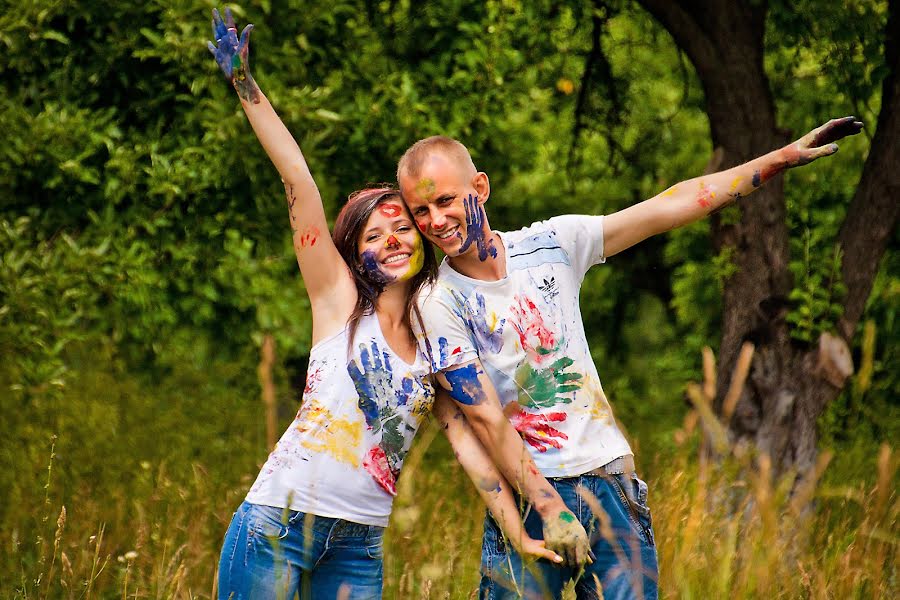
x=696 y=198
x=476 y=397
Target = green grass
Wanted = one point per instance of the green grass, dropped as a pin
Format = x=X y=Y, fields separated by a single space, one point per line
x=149 y=477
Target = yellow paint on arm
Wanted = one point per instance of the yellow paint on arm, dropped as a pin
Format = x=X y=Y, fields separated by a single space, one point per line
x=670 y=192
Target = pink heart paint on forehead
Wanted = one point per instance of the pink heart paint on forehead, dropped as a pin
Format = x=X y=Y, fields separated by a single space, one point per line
x=390 y=210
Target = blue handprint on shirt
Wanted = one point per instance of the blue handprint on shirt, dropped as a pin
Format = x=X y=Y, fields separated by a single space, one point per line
x=378 y=401
x=487 y=333
x=373 y=384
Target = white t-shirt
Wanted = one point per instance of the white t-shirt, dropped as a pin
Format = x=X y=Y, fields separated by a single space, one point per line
x=342 y=454
x=527 y=331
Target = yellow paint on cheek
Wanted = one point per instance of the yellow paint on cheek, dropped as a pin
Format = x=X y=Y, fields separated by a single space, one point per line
x=340 y=438
x=416 y=260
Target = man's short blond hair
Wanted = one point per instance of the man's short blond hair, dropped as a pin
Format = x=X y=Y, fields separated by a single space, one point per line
x=414 y=158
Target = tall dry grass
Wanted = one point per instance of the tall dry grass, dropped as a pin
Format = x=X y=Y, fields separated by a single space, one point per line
x=724 y=529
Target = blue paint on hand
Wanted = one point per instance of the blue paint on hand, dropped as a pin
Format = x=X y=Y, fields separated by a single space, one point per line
x=464 y=385
x=230 y=53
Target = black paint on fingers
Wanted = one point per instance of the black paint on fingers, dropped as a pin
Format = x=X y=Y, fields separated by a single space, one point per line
x=836 y=130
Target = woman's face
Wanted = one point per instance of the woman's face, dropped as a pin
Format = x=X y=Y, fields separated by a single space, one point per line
x=390 y=247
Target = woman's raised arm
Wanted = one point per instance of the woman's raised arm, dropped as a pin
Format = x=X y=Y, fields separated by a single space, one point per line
x=331 y=289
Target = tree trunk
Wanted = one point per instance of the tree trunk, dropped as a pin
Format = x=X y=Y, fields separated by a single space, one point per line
x=789 y=385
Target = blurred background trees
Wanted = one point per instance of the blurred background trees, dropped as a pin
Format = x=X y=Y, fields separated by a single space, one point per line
x=145 y=248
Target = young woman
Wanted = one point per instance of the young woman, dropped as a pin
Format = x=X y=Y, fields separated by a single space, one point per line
x=321 y=502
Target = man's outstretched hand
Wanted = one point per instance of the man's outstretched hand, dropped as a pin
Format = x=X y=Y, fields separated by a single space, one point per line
x=821 y=141
x=233 y=55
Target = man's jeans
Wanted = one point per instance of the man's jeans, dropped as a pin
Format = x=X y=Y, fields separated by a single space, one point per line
x=274 y=553
x=625 y=564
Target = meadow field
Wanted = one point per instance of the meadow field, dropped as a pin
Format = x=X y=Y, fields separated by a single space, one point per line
x=135 y=506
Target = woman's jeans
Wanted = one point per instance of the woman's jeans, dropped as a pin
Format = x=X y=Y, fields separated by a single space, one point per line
x=275 y=553
x=613 y=511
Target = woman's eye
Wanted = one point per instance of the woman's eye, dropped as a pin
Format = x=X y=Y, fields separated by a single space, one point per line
x=371 y=238
x=403 y=228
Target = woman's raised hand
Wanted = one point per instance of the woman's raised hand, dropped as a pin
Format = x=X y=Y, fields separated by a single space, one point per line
x=233 y=55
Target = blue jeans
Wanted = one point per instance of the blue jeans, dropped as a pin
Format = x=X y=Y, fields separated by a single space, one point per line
x=275 y=553
x=625 y=566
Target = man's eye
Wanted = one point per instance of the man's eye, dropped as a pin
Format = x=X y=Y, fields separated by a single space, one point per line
x=420 y=211
x=443 y=201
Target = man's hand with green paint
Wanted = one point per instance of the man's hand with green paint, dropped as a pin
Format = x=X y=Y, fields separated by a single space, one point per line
x=564 y=535
x=233 y=56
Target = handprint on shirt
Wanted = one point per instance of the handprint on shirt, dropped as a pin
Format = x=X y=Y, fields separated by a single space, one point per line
x=537 y=339
x=475 y=230
x=373 y=384
x=488 y=332
x=543 y=388
x=376 y=464
x=378 y=401
x=535 y=428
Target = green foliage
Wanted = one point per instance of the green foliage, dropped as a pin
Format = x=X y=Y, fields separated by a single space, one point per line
x=817 y=294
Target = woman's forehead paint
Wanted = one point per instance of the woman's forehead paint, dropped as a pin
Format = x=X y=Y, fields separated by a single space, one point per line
x=390 y=210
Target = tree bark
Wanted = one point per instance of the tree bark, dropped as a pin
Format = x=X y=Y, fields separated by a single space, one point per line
x=789 y=385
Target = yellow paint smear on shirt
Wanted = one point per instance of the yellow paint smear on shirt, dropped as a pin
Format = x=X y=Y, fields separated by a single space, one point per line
x=494 y=320
x=339 y=438
x=600 y=409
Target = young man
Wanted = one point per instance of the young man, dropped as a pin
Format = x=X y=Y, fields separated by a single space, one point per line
x=504 y=329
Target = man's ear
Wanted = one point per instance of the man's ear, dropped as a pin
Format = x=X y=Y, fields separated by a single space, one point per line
x=482 y=186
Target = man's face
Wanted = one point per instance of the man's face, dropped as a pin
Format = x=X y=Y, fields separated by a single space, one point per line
x=436 y=198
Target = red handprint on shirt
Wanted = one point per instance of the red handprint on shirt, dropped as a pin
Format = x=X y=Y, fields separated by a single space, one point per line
x=535 y=428
x=376 y=463
x=537 y=339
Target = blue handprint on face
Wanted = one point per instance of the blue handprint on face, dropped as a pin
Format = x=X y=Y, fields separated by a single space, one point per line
x=475 y=230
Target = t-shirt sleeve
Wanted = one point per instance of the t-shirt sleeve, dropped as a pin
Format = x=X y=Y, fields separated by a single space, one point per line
x=581 y=236
x=446 y=340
